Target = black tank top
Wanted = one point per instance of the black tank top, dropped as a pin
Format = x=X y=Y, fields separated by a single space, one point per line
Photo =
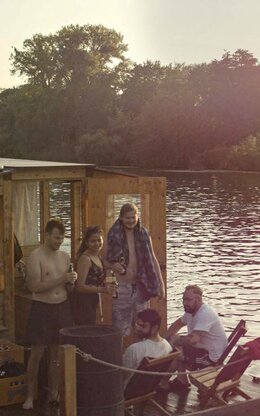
x=96 y=275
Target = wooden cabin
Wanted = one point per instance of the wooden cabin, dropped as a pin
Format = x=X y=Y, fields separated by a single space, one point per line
x=29 y=197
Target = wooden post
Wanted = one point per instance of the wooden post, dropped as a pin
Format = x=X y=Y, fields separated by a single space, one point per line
x=68 y=398
x=76 y=216
x=45 y=207
x=2 y=283
x=158 y=234
x=8 y=253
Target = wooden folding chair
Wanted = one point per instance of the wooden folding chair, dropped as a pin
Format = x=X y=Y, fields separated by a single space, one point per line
x=218 y=384
x=238 y=332
x=141 y=388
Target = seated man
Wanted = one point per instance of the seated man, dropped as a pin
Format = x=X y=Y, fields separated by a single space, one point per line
x=151 y=345
x=206 y=339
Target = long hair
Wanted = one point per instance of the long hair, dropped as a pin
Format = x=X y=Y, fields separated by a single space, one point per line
x=94 y=229
x=127 y=208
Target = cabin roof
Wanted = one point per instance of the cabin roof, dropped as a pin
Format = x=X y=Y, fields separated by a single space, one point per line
x=26 y=163
x=8 y=165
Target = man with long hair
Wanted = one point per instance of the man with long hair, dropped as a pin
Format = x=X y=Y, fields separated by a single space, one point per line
x=131 y=257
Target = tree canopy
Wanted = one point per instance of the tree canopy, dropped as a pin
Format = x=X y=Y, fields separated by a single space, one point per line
x=83 y=100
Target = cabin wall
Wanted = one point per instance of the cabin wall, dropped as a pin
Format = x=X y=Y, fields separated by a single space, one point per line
x=7 y=257
x=1 y=258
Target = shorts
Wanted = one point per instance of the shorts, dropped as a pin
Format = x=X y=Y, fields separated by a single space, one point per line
x=45 y=321
x=126 y=306
x=196 y=358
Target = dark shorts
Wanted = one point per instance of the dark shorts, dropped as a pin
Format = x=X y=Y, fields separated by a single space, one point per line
x=196 y=358
x=45 y=321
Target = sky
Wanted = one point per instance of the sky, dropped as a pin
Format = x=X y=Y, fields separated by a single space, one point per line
x=171 y=31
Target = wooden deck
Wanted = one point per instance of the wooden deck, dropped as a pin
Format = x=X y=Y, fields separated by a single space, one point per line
x=176 y=404
x=188 y=403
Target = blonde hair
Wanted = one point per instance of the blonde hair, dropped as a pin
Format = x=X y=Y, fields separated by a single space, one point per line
x=127 y=208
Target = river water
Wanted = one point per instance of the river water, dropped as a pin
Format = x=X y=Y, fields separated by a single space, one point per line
x=213 y=240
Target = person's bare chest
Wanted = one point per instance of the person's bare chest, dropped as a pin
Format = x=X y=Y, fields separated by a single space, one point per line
x=52 y=267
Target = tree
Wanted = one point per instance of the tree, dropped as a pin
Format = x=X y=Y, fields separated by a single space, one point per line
x=141 y=84
x=230 y=98
x=100 y=148
x=74 y=78
x=73 y=55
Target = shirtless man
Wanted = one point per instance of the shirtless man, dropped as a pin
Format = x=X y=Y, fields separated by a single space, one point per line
x=131 y=256
x=48 y=275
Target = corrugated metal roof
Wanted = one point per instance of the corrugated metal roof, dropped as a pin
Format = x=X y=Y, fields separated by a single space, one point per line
x=26 y=163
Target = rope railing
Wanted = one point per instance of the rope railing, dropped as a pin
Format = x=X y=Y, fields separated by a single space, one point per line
x=89 y=357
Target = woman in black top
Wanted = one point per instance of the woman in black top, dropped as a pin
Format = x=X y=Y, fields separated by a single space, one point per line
x=91 y=278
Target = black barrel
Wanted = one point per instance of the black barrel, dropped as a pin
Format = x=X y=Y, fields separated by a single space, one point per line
x=99 y=388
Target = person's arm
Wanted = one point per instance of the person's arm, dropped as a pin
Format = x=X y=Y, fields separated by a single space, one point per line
x=83 y=266
x=179 y=340
x=191 y=339
x=158 y=272
x=115 y=267
x=174 y=329
x=35 y=283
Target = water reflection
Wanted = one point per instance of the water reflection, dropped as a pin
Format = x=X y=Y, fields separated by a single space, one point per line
x=213 y=229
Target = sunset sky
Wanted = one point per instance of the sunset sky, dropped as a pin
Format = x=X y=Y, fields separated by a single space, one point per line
x=190 y=31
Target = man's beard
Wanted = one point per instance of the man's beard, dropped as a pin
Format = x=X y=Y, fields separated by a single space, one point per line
x=188 y=309
x=141 y=335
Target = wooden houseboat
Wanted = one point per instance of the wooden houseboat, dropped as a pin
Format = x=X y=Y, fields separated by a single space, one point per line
x=92 y=193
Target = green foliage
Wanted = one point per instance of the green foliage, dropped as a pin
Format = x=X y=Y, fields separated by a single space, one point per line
x=246 y=155
x=101 y=149
x=73 y=55
x=74 y=78
x=84 y=101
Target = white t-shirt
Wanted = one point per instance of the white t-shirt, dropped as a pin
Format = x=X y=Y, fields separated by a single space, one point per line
x=207 y=320
x=135 y=353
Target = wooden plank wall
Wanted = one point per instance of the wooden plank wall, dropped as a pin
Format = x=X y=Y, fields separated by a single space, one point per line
x=153 y=207
x=157 y=203
x=44 y=207
x=8 y=252
x=1 y=249
x=1 y=185
x=2 y=280
x=50 y=173
x=76 y=216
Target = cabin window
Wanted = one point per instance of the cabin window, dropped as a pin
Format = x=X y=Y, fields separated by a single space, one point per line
x=60 y=206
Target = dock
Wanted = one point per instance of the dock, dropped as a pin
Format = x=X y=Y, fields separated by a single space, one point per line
x=176 y=404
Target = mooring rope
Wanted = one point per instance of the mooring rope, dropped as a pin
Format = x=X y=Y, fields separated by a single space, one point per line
x=206 y=370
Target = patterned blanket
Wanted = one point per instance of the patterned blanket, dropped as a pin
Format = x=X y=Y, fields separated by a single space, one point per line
x=117 y=248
